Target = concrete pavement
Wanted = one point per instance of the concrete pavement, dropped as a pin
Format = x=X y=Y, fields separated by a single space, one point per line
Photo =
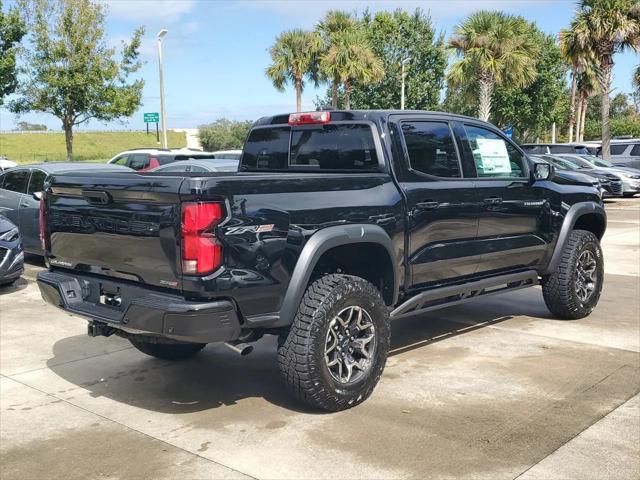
x=495 y=389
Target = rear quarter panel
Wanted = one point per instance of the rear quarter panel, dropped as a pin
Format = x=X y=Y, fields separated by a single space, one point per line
x=271 y=216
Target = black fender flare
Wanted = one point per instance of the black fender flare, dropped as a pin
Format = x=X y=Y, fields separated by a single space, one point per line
x=571 y=217
x=319 y=243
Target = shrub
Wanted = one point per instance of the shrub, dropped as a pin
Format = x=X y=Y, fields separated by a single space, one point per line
x=223 y=134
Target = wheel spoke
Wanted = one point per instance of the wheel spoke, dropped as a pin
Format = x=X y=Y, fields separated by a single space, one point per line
x=350 y=344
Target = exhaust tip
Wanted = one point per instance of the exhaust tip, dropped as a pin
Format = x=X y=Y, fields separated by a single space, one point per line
x=242 y=349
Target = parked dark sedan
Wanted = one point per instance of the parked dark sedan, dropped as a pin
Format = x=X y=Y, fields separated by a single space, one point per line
x=11 y=254
x=20 y=192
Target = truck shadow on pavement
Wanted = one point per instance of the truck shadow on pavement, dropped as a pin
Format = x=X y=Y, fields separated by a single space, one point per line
x=217 y=377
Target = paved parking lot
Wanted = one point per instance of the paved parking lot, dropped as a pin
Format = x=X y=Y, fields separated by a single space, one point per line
x=493 y=389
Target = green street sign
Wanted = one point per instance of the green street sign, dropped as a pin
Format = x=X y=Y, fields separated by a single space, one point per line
x=151 y=117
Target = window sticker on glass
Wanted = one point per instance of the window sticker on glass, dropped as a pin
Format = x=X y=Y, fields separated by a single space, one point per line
x=493 y=155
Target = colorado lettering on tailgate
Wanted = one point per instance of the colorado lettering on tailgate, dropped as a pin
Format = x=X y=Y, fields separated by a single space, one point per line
x=89 y=224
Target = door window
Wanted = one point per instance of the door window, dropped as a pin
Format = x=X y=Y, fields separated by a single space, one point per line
x=431 y=148
x=493 y=155
x=618 y=149
x=121 y=160
x=635 y=151
x=16 y=181
x=138 y=161
x=36 y=184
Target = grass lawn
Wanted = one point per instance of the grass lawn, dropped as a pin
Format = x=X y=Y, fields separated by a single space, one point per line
x=95 y=146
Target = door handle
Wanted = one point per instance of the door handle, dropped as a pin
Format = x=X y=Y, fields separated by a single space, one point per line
x=428 y=205
x=492 y=200
x=26 y=205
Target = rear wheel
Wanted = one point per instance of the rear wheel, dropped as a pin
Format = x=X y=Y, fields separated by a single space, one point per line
x=572 y=291
x=166 y=351
x=337 y=347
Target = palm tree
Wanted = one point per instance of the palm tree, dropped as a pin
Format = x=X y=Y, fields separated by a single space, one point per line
x=331 y=27
x=607 y=27
x=636 y=79
x=587 y=86
x=574 y=55
x=495 y=48
x=294 y=57
x=350 y=59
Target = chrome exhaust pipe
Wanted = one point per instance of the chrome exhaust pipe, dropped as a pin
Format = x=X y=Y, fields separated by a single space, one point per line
x=242 y=349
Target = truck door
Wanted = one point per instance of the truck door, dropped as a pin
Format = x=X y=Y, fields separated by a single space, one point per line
x=512 y=208
x=441 y=210
x=14 y=184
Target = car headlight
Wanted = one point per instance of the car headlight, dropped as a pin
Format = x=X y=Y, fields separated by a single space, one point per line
x=11 y=235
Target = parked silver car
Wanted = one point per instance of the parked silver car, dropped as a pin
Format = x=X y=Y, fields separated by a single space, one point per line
x=20 y=191
x=199 y=166
x=630 y=176
x=625 y=153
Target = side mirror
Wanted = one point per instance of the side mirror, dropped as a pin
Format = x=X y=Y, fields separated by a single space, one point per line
x=542 y=171
x=37 y=195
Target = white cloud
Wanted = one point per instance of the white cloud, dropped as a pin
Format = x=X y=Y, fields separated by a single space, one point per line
x=149 y=10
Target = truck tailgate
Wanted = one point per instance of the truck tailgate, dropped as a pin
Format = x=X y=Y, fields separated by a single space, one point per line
x=110 y=225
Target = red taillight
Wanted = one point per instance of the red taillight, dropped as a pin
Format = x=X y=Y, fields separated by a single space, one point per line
x=41 y=219
x=307 y=118
x=201 y=251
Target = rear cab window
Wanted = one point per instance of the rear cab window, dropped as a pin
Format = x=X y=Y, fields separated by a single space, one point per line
x=329 y=147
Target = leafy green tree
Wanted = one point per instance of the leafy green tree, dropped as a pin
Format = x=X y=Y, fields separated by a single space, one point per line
x=69 y=70
x=294 y=57
x=223 y=134
x=12 y=29
x=606 y=27
x=31 y=127
x=499 y=49
x=394 y=37
x=532 y=109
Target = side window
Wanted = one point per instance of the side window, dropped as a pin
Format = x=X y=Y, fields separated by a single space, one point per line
x=197 y=169
x=635 y=151
x=267 y=149
x=121 y=160
x=431 y=148
x=493 y=155
x=618 y=148
x=36 y=184
x=16 y=181
x=174 y=168
x=139 y=161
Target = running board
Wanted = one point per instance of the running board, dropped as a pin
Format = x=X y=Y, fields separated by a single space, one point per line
x=457 y=294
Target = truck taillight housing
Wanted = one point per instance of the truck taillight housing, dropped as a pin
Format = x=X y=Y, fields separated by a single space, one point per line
x=309 y=118
x=42 y=223
x=201 y=251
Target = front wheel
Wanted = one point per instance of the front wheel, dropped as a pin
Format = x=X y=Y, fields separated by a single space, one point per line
x=337 y=347
x=572 y=291
x=166 y=351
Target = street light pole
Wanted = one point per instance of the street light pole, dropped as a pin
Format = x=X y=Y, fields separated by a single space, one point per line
x=163 y=117
x=402 y=64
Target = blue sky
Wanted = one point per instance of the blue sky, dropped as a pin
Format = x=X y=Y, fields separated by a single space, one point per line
x=216 y=50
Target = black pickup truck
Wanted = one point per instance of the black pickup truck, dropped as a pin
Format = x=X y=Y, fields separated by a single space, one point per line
x=336 y=223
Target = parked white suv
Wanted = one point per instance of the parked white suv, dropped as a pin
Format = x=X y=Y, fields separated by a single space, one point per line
x=625 y=153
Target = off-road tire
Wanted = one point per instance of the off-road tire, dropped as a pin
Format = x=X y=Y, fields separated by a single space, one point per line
x=167 y=351
x=559 y=287
x=301 y=354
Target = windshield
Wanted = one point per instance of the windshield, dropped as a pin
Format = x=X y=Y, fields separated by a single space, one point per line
x=580 y=162
x=561 y=163
x=598 y=162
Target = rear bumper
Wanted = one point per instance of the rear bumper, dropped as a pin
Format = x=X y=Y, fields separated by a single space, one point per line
x=141 y=310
